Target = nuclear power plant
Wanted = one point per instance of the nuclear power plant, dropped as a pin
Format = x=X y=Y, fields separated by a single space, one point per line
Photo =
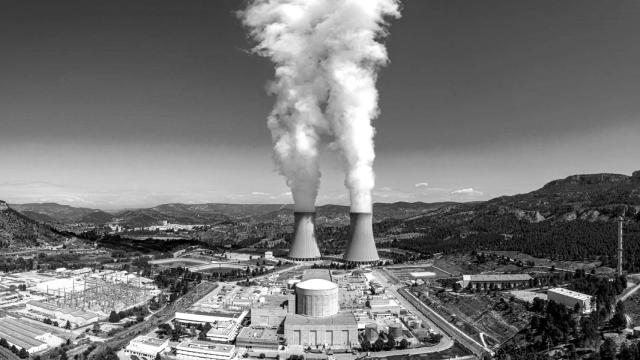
x=361 y=248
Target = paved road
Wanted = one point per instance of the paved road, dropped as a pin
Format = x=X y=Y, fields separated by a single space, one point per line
x=631 y=292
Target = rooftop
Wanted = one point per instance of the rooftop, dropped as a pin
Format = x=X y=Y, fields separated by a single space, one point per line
x=258 y=333
x=571 y=293
x=149 y=341
x=309 y=274
x=497 y=277
x=205 y=345
x=317 y=284
x=342 y=318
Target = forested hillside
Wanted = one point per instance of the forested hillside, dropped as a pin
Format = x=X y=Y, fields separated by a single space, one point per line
x=18 y=231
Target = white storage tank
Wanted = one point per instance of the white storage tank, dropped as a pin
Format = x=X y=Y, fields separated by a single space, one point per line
x=317 y=297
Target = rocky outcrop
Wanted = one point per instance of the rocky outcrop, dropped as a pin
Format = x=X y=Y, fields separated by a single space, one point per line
x=3 y=206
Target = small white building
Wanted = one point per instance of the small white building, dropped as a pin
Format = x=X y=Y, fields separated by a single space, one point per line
x=570 y=298
x=224 y=331
x=268 y=254
x=202 y=350
x=146 y=347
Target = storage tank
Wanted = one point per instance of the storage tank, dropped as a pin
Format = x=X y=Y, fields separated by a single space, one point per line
x=317 y=297
x=415 y=323
x=371 y=332
x=395 y=331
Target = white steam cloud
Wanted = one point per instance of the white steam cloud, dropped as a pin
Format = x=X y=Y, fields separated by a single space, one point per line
x=326 y=55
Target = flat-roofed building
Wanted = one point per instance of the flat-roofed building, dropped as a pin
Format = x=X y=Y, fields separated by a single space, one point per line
x=22 y=337
x=62 y=314
x=203 y=350
x=338 y=331
x=258 y=337
x=496 y=281
x=570 y=298
x=146 y=347
x=223 y=331
x=202 y=316
x=269 y=311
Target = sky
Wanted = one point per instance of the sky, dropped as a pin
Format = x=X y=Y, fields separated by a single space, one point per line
x=132 y=103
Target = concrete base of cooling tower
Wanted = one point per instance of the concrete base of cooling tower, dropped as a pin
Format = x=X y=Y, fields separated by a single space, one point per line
x=303 y=246
x=361 y=248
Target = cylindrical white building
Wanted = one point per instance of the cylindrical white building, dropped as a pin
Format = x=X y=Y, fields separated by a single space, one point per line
x=317 y=298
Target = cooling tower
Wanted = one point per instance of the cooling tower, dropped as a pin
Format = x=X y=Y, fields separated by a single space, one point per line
x=304 y=246
x=361 y=247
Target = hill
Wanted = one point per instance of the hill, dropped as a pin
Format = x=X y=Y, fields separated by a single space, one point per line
x=65 y=214
x=18 y=231
x=566 y=219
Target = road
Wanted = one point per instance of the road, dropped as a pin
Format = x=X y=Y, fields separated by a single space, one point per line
x=631 y=292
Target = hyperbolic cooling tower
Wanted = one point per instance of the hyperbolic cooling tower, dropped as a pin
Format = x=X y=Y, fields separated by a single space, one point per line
x=304 y=246
x=361 y=247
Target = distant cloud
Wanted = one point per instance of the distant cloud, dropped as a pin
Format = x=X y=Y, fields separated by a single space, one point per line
x=422 y=185
x=467 y=192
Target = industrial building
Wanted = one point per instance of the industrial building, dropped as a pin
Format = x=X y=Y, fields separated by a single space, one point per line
x=196 y=315
x=570 y=298
x=314 y=317
x=496 y=281
x=203 y=350
x=304 y=246
x=62 y=314
x=146 y=347
x=26 y=337
x=258 y=337
x=269 y=311
x=223 y=331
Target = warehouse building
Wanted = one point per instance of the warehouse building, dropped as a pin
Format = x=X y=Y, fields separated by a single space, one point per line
x=202 y=350
x=62 y=314
x=496 y=281
x=570 y=298
x=26 y=337
x=314 y=318
x=146 y=347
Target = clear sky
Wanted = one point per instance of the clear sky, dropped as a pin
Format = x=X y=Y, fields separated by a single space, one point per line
x=125 y=103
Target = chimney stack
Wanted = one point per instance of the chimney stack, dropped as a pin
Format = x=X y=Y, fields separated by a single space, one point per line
x=361 y=247
x=304 y=246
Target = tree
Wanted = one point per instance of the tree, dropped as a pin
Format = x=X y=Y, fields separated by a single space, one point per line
x=365 y=346
x=619 y=320
x=114 y=317
x=625 y=353
x=63 y=355
x=608 y=350
x=404 y=344
x=23 y=354
x=4 y=343
x=96 y=328
x=391 y=343
x=67 y=325
x=378 y=345
x=158 y=357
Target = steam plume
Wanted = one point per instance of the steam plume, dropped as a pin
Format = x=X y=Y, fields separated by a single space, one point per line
x=326 y=55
